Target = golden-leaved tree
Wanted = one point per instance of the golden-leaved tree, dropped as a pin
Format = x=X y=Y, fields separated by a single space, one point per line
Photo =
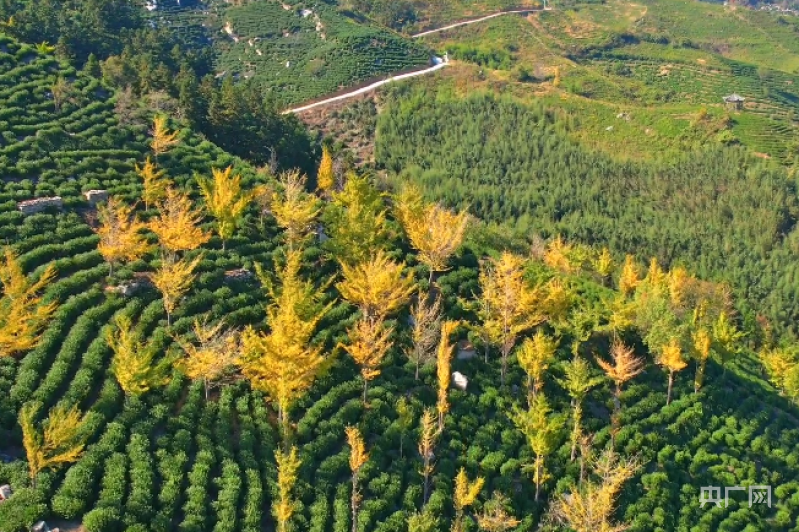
x=427 y=444
x=540 y=427
x=120 y=233
x=444 y=370
x=173 y=279
x=434 y=232
x=212 y=355
x=378 y=286
x=288 y=464
x=23 y=313
x=495 y=516
x=779 y=364
x=426 y=323
x=534 y=356
x=282 y=362
x=163 y=139
x=590 y=506
x=326 y=177
x=624 y=366
x=358 y=458
x=294 y=209
x=629 y=280
x=355 y=221
x=154 y=181
x=59 y=440
x=465 y=495
x=672 y=361
x=135 y=364
x=578 y=381
x=177 y=225
x=225 y=200
x=369 y=342
x=507 y=305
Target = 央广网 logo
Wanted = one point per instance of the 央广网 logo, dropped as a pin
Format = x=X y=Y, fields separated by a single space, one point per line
x=712 y=495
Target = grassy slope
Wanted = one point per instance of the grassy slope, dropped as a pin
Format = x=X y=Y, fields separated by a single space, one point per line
x=298 y=58
x=175 y=462
x=662 y=87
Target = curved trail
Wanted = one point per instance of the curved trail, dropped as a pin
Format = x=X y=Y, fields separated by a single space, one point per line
x=400 y=77
x=368 y=88
x=476 y=20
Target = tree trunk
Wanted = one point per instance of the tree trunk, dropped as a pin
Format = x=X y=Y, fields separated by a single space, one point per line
x=205 y=385
x=505 y=353
x=416 y=375
x=168 y=319
x=575 y=436
x=354 y=502
x=700 y=375
x=224 y=243
x=430 y=280
x=671 y=384
x=538 y=473
x=426 y=488
x=365 y=386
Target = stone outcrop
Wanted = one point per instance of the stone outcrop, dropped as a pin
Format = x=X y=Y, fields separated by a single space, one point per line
x=96 y=196
x=39 y=204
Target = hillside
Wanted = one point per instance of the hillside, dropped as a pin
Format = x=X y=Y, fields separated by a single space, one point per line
x=162 y=454
x=296 y=51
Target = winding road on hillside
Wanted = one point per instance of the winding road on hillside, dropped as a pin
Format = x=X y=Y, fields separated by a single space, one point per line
x=400 y=77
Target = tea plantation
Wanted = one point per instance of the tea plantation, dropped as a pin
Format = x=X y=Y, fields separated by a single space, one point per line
x=171 y=459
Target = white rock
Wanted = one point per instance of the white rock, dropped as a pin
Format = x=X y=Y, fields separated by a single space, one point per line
x=460 y=380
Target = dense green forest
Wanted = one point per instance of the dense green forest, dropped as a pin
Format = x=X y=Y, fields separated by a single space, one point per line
x=719 y=211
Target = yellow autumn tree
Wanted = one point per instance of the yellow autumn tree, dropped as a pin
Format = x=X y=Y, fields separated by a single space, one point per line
x=427 y=444
x=434 y=232
x=779 y=364
x=425 y=323
x=162 y=139
x=369 y=342
x=282 y=362
x=495 y=516
x=135 y=363
x=294 y=209
x=23 y=313
x=444 y=370
x=377 y=286
x=578 y=381
x=288 y=464
x=672 y=361
x=358 y=457
x=589 y=507
x=211 y=355
x=534 y=357
x=326 y=177
x=173 y=279
x=120 y=233
x=57 y=441
x=603 y=265
x=629 y=280
x=225 y=200
x=355 y=221
x=624 y=366
x=154 y=181
x=507 y=306
x=177 y=225
x=465 y=495
x=702 y=342
x=540 y=427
